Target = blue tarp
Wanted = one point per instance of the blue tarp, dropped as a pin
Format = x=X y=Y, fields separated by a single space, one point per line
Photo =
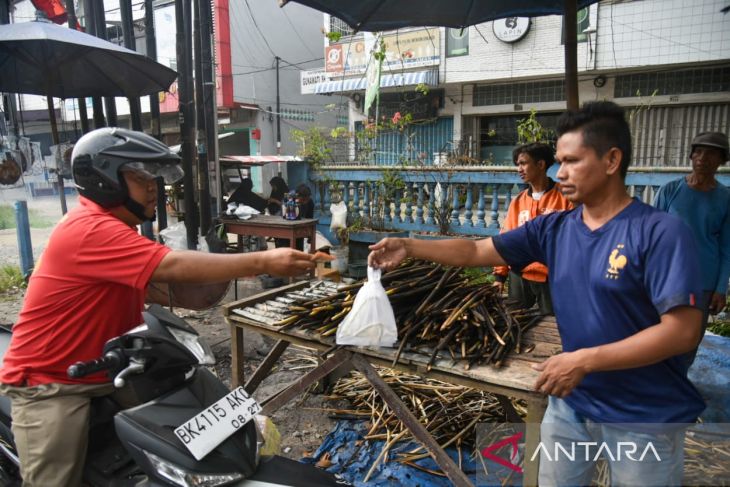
x=710 y=373
x=352 y=458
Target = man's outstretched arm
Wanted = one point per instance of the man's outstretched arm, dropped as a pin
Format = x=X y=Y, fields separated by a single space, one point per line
x=390 y=252
x=202 y=267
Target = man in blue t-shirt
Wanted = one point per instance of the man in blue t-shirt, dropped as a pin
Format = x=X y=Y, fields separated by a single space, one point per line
x=625 y=288
x=704 y=204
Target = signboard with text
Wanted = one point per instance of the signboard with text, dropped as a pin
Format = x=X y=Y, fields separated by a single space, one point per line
x=403 y=50
x=310 y=79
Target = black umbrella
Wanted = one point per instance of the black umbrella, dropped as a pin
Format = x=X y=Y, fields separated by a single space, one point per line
x=377 y=15
x=41 y=58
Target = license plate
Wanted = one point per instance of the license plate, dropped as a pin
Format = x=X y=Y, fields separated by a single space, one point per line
x=210 y=427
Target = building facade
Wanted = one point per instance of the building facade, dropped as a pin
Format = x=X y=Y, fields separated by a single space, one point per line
x=667 y=62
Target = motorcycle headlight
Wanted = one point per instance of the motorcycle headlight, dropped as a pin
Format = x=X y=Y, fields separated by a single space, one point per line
x=184 y=478
x=197 y=347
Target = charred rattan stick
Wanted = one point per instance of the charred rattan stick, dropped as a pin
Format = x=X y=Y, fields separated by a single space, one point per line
x=444 y=341
x=445 y=277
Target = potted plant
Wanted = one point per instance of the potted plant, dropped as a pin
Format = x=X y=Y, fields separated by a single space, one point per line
x=375 y=222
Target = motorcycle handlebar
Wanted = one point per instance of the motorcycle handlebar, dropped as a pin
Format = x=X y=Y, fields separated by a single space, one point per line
x=82 y=369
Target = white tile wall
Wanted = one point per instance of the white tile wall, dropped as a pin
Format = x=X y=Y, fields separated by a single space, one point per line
x=630 y=34
x=537 y=54
x=655 y=32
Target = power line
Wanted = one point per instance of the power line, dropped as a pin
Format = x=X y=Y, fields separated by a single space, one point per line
x=296 y=31
x=250 y=14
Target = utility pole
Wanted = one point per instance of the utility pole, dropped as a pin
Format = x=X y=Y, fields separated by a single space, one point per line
x=203 y=183
x=278 y=116
x=100 y=23
x=571 y=54
x=278 y=110
x=4 y=12
x=151 y=44
x=135 y=110
x=9 y=99
x=73 y=23
x=205 y=98
x=210 y=102
x=186 y=114
x=155 y=124
x=90 y=21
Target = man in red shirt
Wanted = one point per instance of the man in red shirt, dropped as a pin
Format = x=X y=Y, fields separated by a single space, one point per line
x=90 y=286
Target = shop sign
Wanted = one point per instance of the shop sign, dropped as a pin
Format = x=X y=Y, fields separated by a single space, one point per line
x=511 y=29
x=403 y=50
x=310 y=79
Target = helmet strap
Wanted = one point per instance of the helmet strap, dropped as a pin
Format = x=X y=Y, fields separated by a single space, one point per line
x=135 y=208
x=138 y=210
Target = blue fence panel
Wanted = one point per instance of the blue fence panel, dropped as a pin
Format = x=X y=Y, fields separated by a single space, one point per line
x=460 y=201
x=418 y=142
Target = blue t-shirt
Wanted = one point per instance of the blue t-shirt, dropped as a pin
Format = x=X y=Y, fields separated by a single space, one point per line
x=708 y=215
x=607 y=285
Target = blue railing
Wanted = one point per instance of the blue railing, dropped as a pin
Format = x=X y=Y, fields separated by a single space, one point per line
x=460 y=201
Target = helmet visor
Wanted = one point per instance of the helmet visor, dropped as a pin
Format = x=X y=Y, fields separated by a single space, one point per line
x=170 y=173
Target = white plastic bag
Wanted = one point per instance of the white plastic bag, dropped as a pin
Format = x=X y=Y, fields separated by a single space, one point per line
x=244 y=212
x=339 y=215
x=175 y=236
x=371 y=321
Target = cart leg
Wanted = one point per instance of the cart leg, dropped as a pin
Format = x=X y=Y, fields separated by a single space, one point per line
x=236 y=355
x=535 y=411
x=453 y=472
x=509 y=409
x=265 y=367
x=273 y=403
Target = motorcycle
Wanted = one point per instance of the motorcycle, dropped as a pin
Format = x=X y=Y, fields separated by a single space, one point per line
x=185 y=429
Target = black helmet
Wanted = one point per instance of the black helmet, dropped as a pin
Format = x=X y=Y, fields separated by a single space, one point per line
x=99 y=155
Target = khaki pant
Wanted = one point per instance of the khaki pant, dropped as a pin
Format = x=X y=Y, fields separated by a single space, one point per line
x=51 y=429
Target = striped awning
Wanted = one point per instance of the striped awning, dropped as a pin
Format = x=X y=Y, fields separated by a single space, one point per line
x=429 y=77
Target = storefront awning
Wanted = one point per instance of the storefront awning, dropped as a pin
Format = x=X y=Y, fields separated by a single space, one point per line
x=429 y=77
x=256 y=160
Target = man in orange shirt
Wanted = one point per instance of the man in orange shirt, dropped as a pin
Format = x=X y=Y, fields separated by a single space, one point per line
x=542 y=197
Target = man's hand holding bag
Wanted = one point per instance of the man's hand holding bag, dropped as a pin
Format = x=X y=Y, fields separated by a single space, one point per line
x=371 y=321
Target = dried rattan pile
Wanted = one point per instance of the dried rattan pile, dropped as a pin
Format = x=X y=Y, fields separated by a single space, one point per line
x=449 y=412
x=439 y=312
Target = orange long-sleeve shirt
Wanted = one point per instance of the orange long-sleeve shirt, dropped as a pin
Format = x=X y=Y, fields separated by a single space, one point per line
x=525 y=208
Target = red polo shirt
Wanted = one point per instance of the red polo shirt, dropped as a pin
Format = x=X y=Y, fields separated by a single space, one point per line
x=88 y=287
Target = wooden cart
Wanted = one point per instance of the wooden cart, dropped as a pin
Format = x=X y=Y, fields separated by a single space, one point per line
x=514 y=379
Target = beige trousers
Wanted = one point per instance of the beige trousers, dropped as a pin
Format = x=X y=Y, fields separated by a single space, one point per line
x=51 y=429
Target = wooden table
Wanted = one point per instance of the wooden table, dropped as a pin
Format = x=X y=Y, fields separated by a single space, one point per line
x=514 y=379
x=273 y=226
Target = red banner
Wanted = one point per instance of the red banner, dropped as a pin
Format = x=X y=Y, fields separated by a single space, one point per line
x=54 y=10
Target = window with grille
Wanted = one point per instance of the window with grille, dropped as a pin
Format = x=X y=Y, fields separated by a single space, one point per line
x=518 y=93
x=705 y=80
x=339 y=25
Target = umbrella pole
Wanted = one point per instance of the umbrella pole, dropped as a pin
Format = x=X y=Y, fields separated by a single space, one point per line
x=59 y=171
x=571 y=55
